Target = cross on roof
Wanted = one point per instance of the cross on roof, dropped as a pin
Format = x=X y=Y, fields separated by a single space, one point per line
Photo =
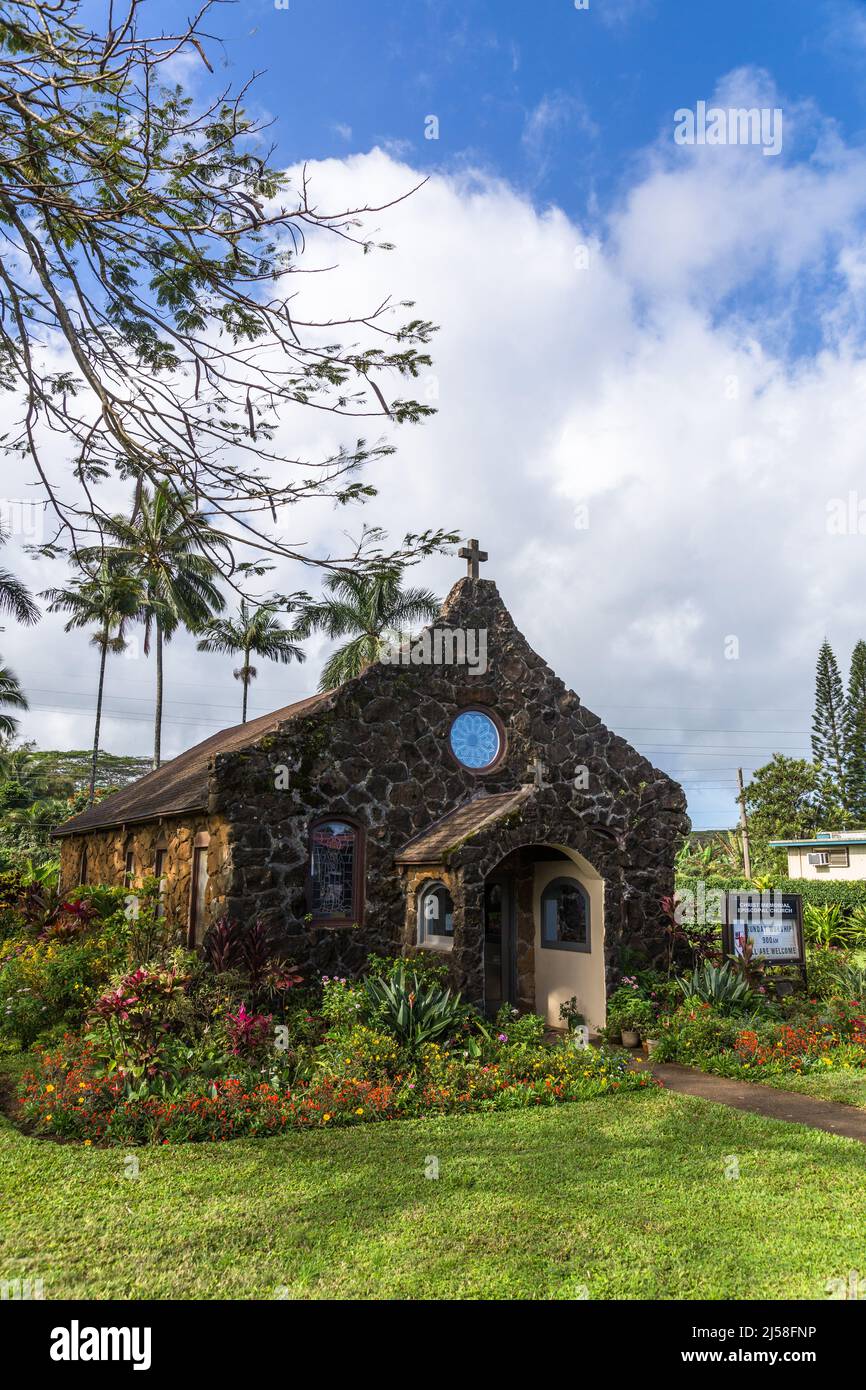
x=473 y=555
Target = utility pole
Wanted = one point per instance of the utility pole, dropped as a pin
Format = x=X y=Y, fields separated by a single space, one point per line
x=744 y=824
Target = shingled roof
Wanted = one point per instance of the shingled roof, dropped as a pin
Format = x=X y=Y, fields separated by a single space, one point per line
x=180 y=785
x=459 y=825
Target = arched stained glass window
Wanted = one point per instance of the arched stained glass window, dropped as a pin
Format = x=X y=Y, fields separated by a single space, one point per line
x=334 y=871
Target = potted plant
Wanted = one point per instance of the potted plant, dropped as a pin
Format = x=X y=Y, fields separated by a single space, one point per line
x=635 y=1019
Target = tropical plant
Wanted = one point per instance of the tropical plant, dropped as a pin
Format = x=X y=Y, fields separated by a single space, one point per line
x=11 y=697
x=255 y=632
x=15 y=597
x=106 y=601
x=822 y=926
x=172 y=549
x=722 y=986
x=416 y=1012
x=368 y=609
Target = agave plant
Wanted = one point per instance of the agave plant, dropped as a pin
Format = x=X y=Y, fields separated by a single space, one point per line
x=719 y=985
x=414 y=1010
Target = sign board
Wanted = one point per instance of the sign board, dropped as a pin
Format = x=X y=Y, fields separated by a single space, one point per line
x=773 y=922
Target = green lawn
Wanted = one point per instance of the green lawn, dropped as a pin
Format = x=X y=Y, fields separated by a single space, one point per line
x=625 y=1195
x=846 y=1086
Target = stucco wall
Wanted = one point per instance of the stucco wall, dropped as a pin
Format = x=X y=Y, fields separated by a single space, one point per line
x=106 y=859
x=799 y=866
x=559 y=974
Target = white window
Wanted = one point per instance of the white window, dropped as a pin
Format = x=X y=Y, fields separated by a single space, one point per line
x=435 y=917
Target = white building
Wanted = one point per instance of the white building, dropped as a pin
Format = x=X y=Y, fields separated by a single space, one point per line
x=832 y=854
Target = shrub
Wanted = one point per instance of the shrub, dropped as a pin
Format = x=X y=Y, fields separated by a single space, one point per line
x=51 y=982
x=695 y=1034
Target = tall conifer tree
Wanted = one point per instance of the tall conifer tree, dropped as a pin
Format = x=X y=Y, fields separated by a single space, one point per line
x=855 y=735
x=828 y=726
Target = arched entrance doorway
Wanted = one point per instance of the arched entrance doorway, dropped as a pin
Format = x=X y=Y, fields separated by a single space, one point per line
x=544 y=934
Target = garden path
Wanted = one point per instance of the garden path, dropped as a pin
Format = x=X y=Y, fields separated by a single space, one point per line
x=829 y=1115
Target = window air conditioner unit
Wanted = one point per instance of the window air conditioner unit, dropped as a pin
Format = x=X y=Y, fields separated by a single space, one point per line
x=820 y=857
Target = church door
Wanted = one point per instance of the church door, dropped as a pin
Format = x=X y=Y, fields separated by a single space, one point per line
x=500 y=956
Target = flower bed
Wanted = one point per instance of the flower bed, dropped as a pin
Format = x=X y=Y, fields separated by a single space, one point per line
x=64 y=1095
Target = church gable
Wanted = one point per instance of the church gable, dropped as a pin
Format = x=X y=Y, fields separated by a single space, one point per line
x=466 y=711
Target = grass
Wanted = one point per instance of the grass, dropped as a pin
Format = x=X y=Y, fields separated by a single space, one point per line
x=626 y=1196
x=847 y=1085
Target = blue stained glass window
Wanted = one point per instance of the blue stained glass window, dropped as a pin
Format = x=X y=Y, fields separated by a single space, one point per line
x=475 y=739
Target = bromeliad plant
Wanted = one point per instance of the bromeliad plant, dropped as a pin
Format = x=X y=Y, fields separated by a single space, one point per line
x=415 y=1011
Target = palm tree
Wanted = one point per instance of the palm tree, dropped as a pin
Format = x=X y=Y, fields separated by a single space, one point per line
x=363 y=607
x=255 y=632
x=13 y=696
x=167 y=540
x=15 y=597
x=168 y=545
x=108 y=600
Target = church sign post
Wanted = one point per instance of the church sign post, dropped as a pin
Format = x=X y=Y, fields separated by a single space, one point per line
x=771 y=922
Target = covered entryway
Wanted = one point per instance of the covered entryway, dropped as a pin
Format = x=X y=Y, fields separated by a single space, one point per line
x=544 y=934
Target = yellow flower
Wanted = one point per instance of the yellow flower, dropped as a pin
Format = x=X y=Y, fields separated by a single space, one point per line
x=326 y=1118
x=49 y=1087
x=87 y=1143
x=360 y=1110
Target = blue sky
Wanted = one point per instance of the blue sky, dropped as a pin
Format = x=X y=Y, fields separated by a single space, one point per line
x=669 y=340
x=610 y=77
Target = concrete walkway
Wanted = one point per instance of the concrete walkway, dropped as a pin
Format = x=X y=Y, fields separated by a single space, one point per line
x=829 y=1115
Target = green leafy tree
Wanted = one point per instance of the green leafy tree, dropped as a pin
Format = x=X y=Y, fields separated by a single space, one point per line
x=172 y=550
x=152 y=304
x=106 y=602
x=828 y=727
x=366 y=608
x=786 y=800
x=855 y=735
x=255 y=632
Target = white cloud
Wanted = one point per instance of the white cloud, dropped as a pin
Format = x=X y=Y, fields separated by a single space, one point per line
x=704 y=450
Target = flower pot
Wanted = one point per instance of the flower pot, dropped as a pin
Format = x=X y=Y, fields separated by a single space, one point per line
x=650 y=1045
x=630 y=1037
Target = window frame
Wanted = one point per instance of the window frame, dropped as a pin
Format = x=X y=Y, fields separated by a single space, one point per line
x=358 y=873
x=566 y=880
x=432 y=941
x=129 y=863
x=160 y=859
x=200 y=851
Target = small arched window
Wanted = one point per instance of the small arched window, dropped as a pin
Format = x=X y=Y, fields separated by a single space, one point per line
x=565 y=916
x=129 y=863
x=82 y=866
x=435 y=917
x=335 y=872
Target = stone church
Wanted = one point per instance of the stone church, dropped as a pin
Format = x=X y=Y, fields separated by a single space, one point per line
x=454 y=797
